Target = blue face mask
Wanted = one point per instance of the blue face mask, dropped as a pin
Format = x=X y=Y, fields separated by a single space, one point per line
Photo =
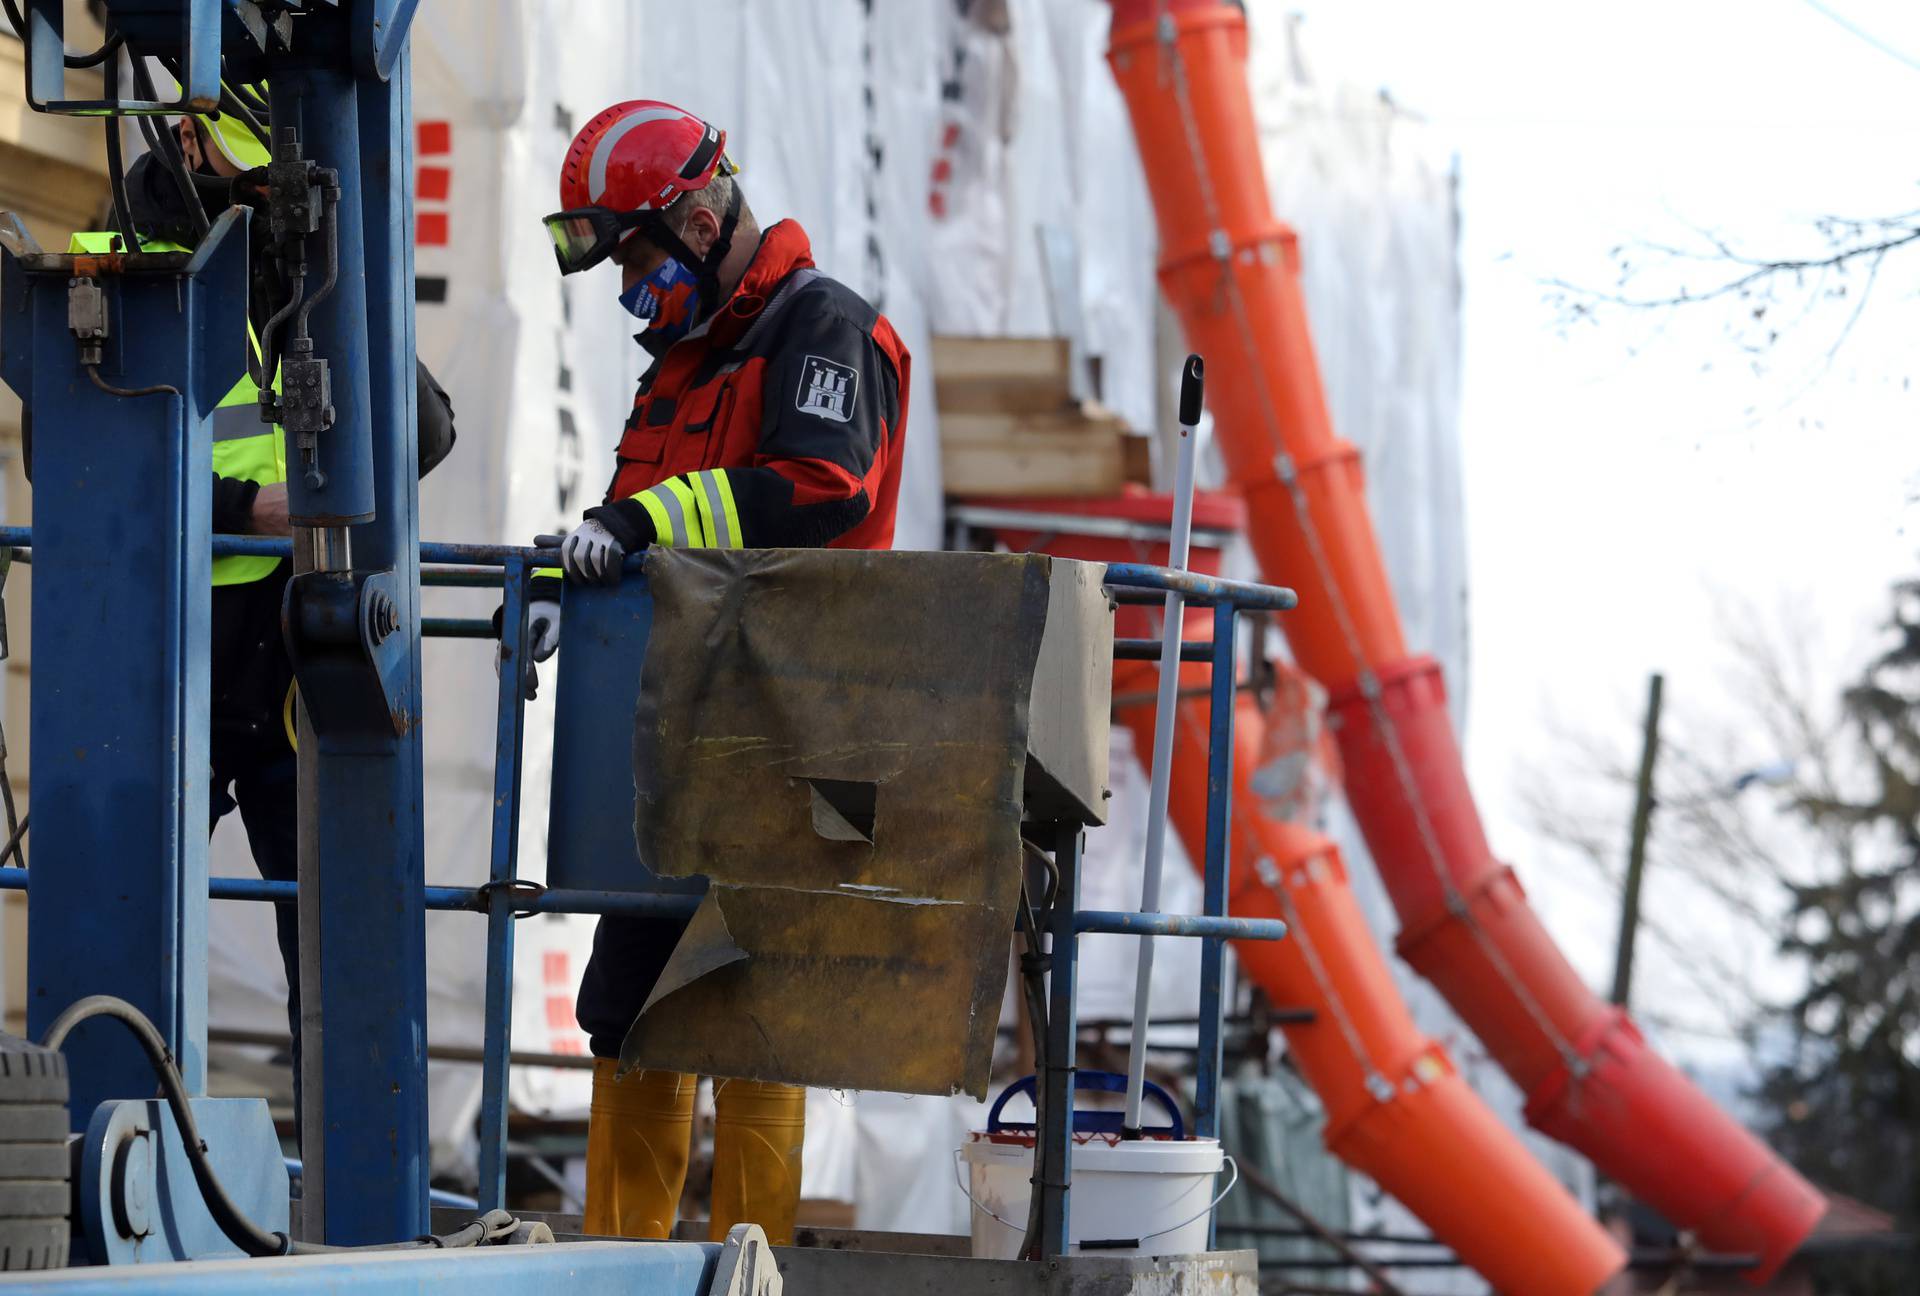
x=668 y=299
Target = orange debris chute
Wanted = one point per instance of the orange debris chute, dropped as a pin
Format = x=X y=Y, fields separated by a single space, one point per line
x=1230 y=269
x=1397 y=1110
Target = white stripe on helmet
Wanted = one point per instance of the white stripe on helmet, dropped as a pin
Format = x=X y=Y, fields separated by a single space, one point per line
x=603 y=151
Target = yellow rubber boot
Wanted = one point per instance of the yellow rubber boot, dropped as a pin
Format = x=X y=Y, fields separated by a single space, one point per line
x=758 y=1129
x=638 y=1131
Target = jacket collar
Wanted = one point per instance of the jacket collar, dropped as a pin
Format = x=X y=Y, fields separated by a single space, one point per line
x=783 y=248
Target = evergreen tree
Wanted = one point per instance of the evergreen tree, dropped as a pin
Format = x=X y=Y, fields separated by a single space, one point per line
x=1846 y=1105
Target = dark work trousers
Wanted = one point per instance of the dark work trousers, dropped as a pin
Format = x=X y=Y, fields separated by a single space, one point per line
x=629 y=954
x=254 y=768
x=266 y=796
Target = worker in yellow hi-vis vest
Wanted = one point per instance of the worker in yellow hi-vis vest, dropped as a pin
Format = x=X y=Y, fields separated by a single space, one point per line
x=251 y=713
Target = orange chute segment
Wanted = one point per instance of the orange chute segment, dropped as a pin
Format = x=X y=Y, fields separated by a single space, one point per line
x=1231 y=271
x=1397 y=1110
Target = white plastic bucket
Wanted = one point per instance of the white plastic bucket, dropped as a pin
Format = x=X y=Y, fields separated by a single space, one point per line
x=1157 y=1194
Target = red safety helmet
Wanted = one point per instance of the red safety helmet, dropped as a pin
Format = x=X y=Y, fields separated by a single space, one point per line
x=623 y=170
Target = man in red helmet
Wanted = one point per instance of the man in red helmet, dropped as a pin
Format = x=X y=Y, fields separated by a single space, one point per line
x=773 y=415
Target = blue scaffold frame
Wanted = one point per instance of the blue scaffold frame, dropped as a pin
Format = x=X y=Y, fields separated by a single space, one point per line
x=505 y=895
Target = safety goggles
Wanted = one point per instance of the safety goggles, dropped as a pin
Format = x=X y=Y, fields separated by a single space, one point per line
x=586 y=236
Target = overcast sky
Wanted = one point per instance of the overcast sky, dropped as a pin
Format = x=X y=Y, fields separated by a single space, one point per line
x=1628 y=483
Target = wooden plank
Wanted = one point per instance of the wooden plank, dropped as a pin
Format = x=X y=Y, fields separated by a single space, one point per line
x=1001 y=375
x=1034 y=463
x=1089 y=421
x=993 y=359
x=1016 y=396
x=1136 y=457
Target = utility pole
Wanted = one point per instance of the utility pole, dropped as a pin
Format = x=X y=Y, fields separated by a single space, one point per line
x=1637 y=846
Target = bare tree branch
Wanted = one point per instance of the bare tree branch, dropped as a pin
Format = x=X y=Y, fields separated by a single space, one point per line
x=1760 y=272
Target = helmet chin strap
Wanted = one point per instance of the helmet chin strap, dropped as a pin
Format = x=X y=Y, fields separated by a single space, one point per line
x=706 y=269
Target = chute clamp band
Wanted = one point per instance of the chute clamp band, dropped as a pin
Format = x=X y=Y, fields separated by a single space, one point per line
x=1369 y=685
x=1167 y=29
x=1283 y=469
x=1220 y=246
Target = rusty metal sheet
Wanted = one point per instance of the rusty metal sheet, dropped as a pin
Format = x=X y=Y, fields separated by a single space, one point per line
x=838 y=742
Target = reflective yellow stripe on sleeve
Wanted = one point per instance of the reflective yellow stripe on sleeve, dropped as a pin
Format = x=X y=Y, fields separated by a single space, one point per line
x=699 y=531
x=696 y=511
x=716 y=504
x=669 y=516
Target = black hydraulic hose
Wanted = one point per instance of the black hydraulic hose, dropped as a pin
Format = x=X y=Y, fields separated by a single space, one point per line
x=230 y=103
x=158 y=389
x=1045 y=861
x=116 y=165
x=19 y=829
x=252 y=93
x=496 y=1225
x=95 y=59
x=240 y=1230
x=234 y=98
x=176 y=161
x=269 y=358
x=332 y=222
x=148 y=132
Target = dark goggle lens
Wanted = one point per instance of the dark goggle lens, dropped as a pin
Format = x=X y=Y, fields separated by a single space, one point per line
x=582 y=239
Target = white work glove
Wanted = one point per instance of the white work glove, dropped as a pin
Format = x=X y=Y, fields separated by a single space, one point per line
x=543 y=640
x=591 y=555
x=543 y=628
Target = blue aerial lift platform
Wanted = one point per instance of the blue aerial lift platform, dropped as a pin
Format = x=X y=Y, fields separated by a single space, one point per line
x=122 y=358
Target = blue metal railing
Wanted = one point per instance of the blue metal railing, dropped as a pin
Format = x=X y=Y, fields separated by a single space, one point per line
x=504 y=896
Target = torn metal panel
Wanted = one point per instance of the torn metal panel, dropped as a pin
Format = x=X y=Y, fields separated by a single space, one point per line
x=840 y=742
x=841 y=990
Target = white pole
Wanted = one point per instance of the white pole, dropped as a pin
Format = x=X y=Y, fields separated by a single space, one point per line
x=1190 y=393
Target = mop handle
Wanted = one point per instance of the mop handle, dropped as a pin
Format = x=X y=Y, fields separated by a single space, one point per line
x=1170 y=627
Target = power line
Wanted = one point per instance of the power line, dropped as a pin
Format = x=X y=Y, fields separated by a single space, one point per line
x=1865 y=35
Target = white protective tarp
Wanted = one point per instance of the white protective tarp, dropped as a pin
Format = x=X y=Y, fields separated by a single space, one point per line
x=923 y=146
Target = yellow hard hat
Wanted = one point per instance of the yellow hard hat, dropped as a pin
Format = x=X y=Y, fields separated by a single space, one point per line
x=233 y=138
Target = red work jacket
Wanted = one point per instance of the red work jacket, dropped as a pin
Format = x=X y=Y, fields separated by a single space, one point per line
x=779 y=422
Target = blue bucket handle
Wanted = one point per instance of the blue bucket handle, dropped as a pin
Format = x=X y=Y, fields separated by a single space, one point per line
x=1090 y=1122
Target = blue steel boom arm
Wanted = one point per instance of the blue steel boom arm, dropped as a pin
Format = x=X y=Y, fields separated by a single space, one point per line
x=340 y=199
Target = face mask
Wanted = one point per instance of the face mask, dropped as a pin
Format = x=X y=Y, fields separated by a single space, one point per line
x=669 y=299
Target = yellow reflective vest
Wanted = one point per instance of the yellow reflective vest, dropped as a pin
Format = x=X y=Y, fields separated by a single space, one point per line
x=242 y=447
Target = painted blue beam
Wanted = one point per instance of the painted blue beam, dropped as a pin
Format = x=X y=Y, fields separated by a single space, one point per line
x=578 y=1268
x=1218 y=862
x=1053 y=1147
x=363 y=927
x=1203 y=590
x=1124 y=922
x=118 y=715
x=1130 y=579
x=437 y=1198
x=642 y=904
x=663 y=904
x=497 y=1022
